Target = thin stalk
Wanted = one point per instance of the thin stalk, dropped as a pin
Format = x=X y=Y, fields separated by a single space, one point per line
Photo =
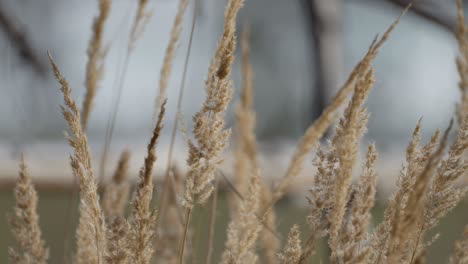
x=174 y=192
x=70 y=217
x=134 y=34
x=214 y=203
x=71 y=212
x=241 y=197
x=112 y=117
x=308 y=249
x=188 y=214
x=196 y=246
x=416 y=246
x=179 y=110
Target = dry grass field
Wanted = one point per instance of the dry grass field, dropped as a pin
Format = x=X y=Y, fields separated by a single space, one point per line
x=191 y=219
x=56 y=203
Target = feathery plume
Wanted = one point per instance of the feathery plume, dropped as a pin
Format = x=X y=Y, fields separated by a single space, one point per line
x=142 y=219
x=443 y=194
x=319 y=126
x=246 y=154
x=293 y=249
x=269 y=243
x=25 y=222
x=354 y=235
x=211 y=137
x=179 y=121
x=116 y=237
x=246 y=146
x=334 y=170
x=416 y=158
x=209 y=130
x=397 y=234
x=115 y=198
x=242 y=233
x=96 y=56
x=170 y=53
x=406 y=231
x=141 y=20
x=320 y=199
x=91 y=232
x=346 y=144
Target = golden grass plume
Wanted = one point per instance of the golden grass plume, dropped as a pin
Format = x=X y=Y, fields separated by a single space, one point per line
x=427 y=189
x=96 y=55
x=31 y=248
x=142 y=218
x=170 y=53
x=329 y=114
x=91 y=233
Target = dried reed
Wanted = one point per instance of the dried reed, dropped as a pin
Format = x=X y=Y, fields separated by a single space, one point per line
x=91 y=232
x=141 y=20
x=355 y=230
x=293 y=249
x=269 y=240
x=246 y=156
x=139 y=24
x=243 y=231
x=170 y=53
x=94 y=72
x=142 y=219
x=211 y=138
x=209 y=132
x=25 y=227
x=246 y=146
x=332 y=183
x=167 y=180
x=117 y=243
x=416 y=158
x=96 y=56
x=427 y=187
x=319 y=126
x=346 y=147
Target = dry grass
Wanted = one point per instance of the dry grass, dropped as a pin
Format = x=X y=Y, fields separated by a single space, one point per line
x=91 y=233
x=211 y=136
x=25 y=222
x=319 y=126
x=170 y=53
x=142 y=219
x=142 y=18
x=339 y=209
x=96 y=56
x=293 y=249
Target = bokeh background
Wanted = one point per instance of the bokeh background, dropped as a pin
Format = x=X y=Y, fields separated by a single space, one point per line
x=302 y=51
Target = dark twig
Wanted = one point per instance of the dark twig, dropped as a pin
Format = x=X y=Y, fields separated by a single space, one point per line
x=21 y=42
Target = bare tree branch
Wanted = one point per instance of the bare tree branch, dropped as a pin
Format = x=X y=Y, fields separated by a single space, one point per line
x=20 y=41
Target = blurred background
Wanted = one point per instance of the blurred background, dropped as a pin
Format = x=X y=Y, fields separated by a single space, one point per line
x=302 y=52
